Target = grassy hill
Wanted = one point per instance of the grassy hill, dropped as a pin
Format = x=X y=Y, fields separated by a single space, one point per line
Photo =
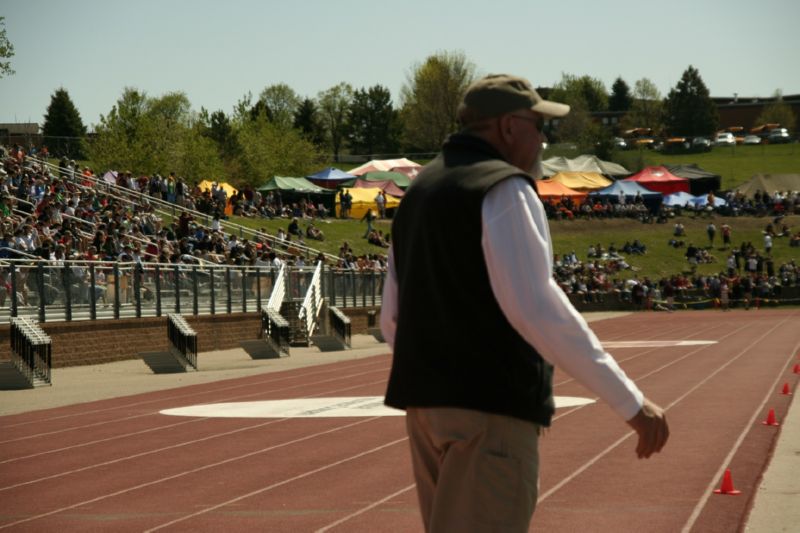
x=661 y=259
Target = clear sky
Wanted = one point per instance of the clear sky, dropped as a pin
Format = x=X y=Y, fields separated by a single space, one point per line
x=217 y=51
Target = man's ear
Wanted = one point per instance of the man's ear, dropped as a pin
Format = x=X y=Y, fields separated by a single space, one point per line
x=506 y=128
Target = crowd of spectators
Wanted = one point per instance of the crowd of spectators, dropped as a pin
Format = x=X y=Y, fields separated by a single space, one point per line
x=69 y=214
x=749 y=276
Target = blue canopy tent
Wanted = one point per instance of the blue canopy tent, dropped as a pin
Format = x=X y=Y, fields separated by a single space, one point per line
x=702 y=200
x=330 y=178
x=684 y=199
x=681 y=199
x=629 y=188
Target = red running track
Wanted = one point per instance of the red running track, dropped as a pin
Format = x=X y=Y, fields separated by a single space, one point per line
x=121 y=465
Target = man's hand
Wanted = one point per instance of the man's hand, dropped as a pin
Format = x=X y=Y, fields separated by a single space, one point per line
x=650 y=424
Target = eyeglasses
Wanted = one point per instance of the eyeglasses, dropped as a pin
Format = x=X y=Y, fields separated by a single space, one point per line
x=538 y=121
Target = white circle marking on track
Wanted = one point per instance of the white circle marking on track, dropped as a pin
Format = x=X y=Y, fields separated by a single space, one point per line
x=355 y=406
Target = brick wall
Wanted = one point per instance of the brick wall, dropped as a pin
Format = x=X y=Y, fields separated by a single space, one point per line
x=104 y=341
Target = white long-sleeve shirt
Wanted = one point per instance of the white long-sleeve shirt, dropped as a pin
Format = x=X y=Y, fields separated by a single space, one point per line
x=519 y=256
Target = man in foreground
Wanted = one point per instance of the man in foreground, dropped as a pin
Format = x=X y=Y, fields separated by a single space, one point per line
x=475 y=320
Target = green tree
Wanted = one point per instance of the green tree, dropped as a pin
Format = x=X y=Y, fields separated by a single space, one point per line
x=647 y=108
x=577 y=127
x=621 y=99
x=63 y=128
x=6 y=50
x=574 y=90
x=688 y=108
x=334 y=104
x=373 y=122
x=241 y=111
x=307 y=120
x=778 y=112
x=270 y=150
x=430 y=98
x=282 y=102
x=217 y=127
x=197 y=156
x=148 y=135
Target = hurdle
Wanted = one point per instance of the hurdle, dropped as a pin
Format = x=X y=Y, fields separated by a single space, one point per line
x=276 y=333
x=31 y=351
x=182 y=341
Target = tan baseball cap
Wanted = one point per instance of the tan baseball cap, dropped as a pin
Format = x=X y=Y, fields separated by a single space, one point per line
x=498 y=94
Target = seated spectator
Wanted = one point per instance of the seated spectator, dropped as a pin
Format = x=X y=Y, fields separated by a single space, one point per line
x=294 y=227
x=312 y=232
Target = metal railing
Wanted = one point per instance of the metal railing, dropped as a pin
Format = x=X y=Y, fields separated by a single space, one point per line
x=182 y=339
x=312 y=303
x=278 y=290
x=31 y=350
x=91 y=290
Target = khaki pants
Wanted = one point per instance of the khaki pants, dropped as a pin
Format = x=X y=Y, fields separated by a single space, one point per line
x=475 y=471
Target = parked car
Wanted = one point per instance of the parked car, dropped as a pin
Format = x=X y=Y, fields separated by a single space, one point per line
x=701 y=143
x=725 y=139
x=779 y=136
x=620 y=143
x=676 y=145
x=752 y=139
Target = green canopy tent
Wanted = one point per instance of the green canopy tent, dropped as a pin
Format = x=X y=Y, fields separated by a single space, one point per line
x=299 y=185
x=399 y=179
x=292 y=189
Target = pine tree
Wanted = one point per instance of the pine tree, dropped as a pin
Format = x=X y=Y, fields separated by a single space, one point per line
x=621 y=99
x=688 y=107
x=63 y=128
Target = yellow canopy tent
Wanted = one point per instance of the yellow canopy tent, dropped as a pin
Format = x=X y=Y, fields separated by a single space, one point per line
x=364 y=199
x=582 y=181
x=205 y=185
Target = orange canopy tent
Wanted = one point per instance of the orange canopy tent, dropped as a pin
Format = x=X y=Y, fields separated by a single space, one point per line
x=549 y=189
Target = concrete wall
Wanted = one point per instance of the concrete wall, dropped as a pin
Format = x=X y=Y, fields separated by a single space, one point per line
x=105 y=341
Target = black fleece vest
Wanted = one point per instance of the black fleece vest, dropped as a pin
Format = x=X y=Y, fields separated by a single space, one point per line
x=453 y=345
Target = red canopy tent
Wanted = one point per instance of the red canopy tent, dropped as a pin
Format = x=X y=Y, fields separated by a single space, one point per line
x=659 y=179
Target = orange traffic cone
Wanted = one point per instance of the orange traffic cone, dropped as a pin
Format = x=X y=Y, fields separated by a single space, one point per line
x=797 y=369
x=727 y=485
x=770 y=421
x=786 y=391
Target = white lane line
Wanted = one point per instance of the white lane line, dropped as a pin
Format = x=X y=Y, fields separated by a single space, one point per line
x=653 y=344
x=165 y=448
x=599 y=456
x=186 y=473
x=278 y=484
x=260 y=393
x=735 y=448
x=365 y=509
x=99 y=441
x=621 y=360
x=200 y=393
x=654 y=371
